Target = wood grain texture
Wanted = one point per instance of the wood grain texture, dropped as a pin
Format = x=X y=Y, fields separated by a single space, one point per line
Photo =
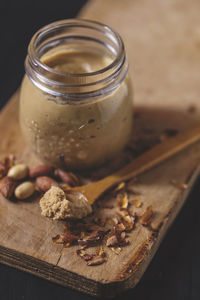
x=163 y=44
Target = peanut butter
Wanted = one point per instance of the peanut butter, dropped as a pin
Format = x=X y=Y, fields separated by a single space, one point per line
x=79 y=135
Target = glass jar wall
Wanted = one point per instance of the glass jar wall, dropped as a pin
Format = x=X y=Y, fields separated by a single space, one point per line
x=76 y=97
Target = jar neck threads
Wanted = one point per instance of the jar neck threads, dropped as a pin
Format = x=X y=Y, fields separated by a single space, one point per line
x=76 y=34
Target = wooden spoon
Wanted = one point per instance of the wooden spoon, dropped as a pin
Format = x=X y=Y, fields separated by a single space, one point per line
x=149 y=159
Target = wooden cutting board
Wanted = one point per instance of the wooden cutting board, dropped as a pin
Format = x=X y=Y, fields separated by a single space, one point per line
x=162 y=39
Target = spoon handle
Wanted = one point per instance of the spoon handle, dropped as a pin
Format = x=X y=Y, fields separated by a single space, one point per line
x=154 y=156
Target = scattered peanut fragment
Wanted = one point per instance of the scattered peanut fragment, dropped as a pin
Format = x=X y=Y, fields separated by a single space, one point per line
x=120 y=186
x=66 y=239
x=96 y=260
x=99 y=258
x=136 y=203
x=7 y=187
x=92 y=259
x=116 y=250
x=124 y=202
x=180 y=185
x=18 y=172
x=84 y=255
x=146 y=217
x=112 y=241
x=24 y=190
x=128 y=220
x=41 y=170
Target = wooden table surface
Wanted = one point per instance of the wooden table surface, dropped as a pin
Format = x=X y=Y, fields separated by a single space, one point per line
x=174 y=272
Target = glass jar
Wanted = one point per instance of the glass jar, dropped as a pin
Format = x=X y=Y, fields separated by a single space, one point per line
x=76 y=97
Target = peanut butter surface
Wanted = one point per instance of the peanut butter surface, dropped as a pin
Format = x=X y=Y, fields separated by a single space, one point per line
x=75 y=62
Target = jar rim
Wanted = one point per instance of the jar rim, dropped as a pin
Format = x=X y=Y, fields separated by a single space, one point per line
x=67 y=85
x=75 y=22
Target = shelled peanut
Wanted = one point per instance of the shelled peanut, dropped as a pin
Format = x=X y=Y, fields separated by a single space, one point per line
x=24 y=190
x=18 y=172
x=22 y=182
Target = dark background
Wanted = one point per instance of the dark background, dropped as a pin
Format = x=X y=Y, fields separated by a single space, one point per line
x=174 y=273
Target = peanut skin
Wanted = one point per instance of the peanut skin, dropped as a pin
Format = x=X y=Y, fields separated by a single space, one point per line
x=41 y=170
x=44 y=183
x=7 y=187
x=66 y=177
